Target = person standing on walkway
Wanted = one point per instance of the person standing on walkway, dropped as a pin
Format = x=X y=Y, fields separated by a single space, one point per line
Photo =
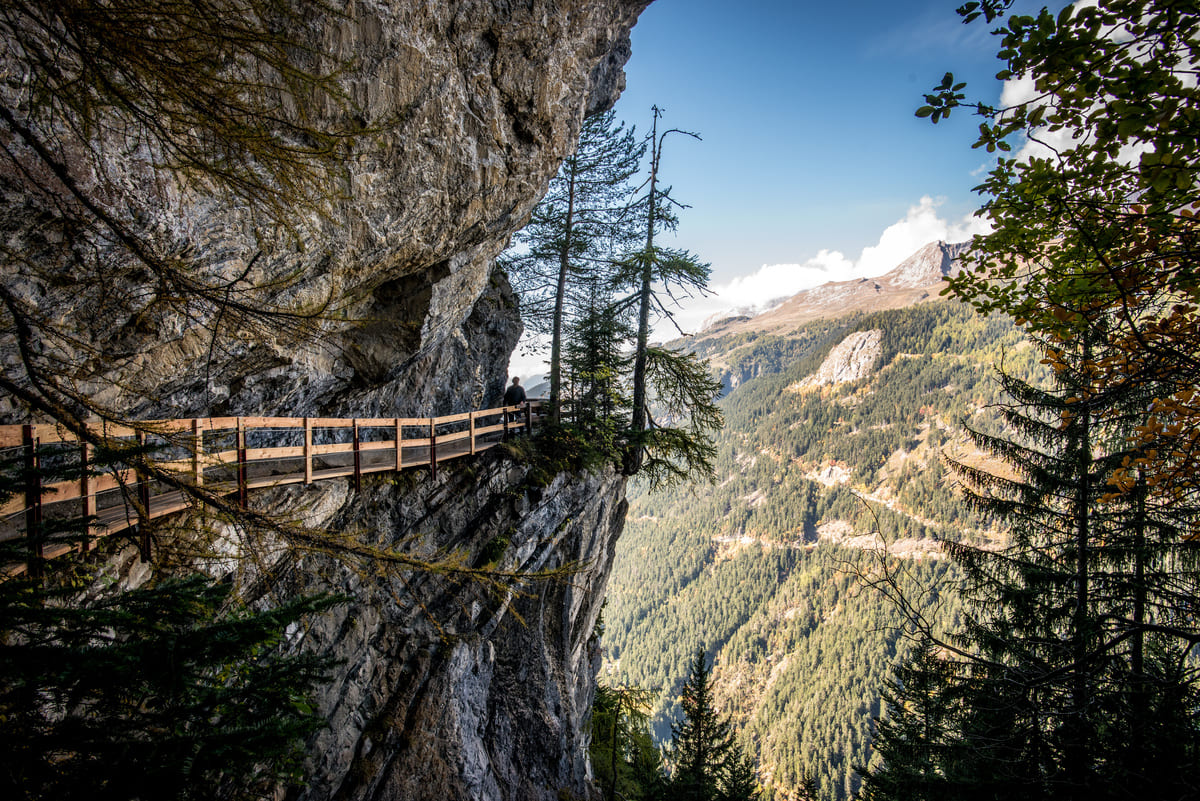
x=515 y=394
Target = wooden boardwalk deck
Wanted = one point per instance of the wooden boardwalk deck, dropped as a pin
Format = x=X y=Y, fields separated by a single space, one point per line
x=225 y=456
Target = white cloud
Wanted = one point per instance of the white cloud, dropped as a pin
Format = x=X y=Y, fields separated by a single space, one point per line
x=773 y=283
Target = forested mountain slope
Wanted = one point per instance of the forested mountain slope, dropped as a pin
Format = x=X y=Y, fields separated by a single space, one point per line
x=760 y=567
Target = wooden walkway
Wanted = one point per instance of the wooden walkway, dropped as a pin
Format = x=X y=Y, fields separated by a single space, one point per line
x=225 y=456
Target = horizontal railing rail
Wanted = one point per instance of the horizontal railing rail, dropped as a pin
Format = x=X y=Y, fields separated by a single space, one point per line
x=224 y=455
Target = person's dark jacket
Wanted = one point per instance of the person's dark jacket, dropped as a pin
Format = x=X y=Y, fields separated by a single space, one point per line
x=514 y=395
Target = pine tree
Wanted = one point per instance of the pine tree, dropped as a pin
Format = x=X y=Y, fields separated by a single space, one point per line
x=577 y=228
x=709 y=764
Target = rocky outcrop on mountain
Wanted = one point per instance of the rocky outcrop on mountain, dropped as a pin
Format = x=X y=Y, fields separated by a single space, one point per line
x=850 y=360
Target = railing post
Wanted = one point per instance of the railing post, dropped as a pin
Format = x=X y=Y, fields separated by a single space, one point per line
x=33 y=501
x=471 y=428
x=86 y=497
x=357 y=459
x=243 y=497
x=528 y=419
x=504 y=417
x=399 y=445
x=308 y=450
x=143 y=488
x=197 y=452
x=433 y=447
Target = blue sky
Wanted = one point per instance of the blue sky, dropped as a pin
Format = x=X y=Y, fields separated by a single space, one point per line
x=809 y=139
x=813 y=166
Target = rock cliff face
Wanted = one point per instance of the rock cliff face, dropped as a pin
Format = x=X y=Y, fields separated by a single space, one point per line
x=444 y=691
x=470 y=107
x=850 y=360
x=447 y=691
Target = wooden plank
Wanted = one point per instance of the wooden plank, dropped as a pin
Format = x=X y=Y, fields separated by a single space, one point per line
x=455 y=437
x=275 y=481
x=10 y=437
x=481 y=430
x=262 y=454
x=336 y=447
x=14 y=506
x=220 y=458
x=112 y=480
x=332 y=422
x=376 y=422
x=273 y=422
x=452 y=418
x=219 y=423
x=308 y=470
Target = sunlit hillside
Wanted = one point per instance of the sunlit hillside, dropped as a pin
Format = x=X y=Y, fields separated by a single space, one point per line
x=831 y=452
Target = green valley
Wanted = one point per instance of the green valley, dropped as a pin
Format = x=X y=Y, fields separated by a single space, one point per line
x=763 y=567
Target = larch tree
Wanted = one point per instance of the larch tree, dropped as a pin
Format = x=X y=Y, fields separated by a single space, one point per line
x=654 y=272
x=1093 y=200
x=567 y=249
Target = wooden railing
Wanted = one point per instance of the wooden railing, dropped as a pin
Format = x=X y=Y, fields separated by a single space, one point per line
x=224 y=455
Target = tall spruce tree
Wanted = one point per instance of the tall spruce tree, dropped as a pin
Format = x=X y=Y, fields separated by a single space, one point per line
x=596 y=363
x=1078 y=628
x=575 y=231
x=708 y=763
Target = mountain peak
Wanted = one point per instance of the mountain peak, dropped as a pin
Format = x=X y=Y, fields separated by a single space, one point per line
x=927 y=266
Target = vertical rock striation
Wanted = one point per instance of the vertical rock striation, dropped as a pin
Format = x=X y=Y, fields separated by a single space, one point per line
x=446 y=691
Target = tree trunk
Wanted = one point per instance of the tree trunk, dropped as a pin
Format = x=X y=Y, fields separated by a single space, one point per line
x=564 y=265
x=633 y=460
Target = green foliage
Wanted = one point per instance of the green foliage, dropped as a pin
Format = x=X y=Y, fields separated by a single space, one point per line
x=564 y=257
x=167 y=691
x=707 y=763
x=686 y=396
x=1075 y=634
x=650 y=272
x=1098 y=208
x=624 y=757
